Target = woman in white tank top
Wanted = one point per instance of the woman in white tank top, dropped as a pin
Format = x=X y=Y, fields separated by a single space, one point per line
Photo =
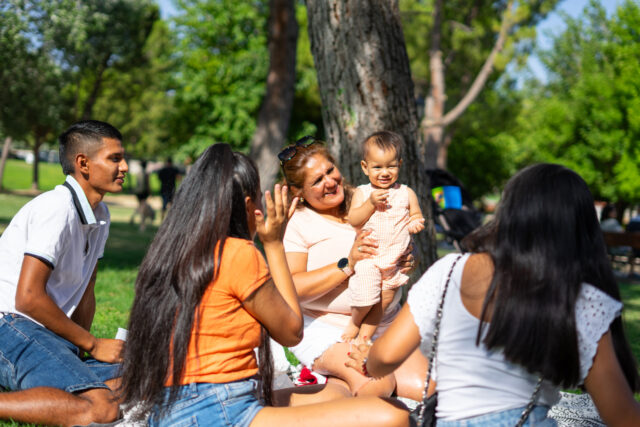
x=535 y=298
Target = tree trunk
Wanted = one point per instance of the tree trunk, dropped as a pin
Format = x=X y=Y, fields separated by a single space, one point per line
x=435 y=121
x=5 y=154
x=275 y=111
x=36 y=161
x=95 y=90
x=434 y=110
x=366 y=86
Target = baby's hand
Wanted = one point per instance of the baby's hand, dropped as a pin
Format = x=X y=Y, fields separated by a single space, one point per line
x=379 y=198
x=416 y=225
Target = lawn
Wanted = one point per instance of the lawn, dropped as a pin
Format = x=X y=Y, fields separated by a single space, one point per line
x=18 y=175
x=126 y=247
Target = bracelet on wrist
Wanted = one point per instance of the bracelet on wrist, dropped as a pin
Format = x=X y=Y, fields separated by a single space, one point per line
x=364 y=368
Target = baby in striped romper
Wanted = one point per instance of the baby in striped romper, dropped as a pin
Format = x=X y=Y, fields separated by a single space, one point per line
x=391 y=211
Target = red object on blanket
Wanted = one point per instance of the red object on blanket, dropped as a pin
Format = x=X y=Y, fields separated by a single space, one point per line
x=306 y=377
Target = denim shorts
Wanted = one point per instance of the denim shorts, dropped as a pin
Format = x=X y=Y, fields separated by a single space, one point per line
x=33 y=356
x=508 y=418
x=206 y=404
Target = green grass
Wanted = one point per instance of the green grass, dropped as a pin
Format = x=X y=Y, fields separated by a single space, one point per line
x=630 y=293
x=18 y=175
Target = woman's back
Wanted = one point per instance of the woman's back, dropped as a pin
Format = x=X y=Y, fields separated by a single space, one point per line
x=222 y=344
x=472 y=380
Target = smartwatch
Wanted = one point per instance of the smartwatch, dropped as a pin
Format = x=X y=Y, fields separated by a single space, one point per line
x=343 y=265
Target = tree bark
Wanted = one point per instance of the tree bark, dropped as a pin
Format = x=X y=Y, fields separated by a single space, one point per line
x=275 y=111
x=436 y=99
x=435 y=121
x=366 y=86
x=36 y=161
x=3 y=161
x=95 y=89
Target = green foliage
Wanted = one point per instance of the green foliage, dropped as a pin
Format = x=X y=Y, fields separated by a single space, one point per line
x=587 y=116
x=139 y=101
x=30 y=78
x=94 y=36
x=481 y=153
x=482 y=156
x=220 y=80
x=469 y=31
x=306 y=115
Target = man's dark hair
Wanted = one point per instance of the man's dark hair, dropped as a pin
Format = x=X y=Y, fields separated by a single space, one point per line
x=83 y=137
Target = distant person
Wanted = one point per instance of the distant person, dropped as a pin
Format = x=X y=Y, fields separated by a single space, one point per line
x=142 y=192
x=167 y=175
x=609 y=218
x=48 y=264
x=609 y=223
x=634 y=227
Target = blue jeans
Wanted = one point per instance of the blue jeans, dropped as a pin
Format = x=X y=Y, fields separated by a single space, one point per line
x=33 y=356
x=206 y=404
x=508 y=418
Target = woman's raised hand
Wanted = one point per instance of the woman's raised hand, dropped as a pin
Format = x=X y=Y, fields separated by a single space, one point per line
x=279 y=210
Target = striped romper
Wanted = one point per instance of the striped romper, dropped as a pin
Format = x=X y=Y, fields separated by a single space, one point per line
x=391 y=231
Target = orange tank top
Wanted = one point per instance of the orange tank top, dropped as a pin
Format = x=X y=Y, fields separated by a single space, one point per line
x=221 y=345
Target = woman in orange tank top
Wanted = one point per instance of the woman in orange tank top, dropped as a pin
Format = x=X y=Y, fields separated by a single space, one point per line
x=205 y=299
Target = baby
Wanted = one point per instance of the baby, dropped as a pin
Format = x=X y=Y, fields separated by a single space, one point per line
x=392 y=212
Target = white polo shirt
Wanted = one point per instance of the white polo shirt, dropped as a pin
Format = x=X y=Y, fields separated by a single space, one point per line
x=59 y=228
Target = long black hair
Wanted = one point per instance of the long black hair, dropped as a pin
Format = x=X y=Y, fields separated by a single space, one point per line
x=545 y=241
x=177 y=269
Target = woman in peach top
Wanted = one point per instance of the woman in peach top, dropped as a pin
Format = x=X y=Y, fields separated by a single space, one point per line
x=322 y=249
x=205 y=299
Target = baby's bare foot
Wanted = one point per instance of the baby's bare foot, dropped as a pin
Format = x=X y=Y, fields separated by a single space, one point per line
x=350 y=332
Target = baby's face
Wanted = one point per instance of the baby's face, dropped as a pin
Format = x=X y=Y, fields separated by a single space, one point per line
x=382 y=167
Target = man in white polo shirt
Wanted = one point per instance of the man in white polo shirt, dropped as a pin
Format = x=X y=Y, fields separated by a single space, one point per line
x=48 y=264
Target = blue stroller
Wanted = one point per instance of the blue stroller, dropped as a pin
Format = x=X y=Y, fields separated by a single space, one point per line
x=453 y=210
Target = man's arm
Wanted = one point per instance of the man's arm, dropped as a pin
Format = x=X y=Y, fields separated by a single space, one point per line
x=83 y=315
x=32 y=299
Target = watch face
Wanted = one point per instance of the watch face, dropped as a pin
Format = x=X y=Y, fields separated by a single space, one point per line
x=343 y=263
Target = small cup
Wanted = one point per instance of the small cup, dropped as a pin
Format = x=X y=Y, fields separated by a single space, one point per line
x=121 y=334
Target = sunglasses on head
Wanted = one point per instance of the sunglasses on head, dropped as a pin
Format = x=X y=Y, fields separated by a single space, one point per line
x=288 y=152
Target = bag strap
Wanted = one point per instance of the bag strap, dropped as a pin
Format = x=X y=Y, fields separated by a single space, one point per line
x=530 y=405
x=434 y=346
x=434 y=342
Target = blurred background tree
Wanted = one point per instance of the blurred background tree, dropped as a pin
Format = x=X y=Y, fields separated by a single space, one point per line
x=587 y=116
x=57 y=58
x=199 y=76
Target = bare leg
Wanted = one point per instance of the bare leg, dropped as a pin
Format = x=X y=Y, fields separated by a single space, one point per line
x=51 y=406
x=373 y=318
x=410 y=376
x=298 y=396
x=358 y=314
x=332 y=362
x=359 y=411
